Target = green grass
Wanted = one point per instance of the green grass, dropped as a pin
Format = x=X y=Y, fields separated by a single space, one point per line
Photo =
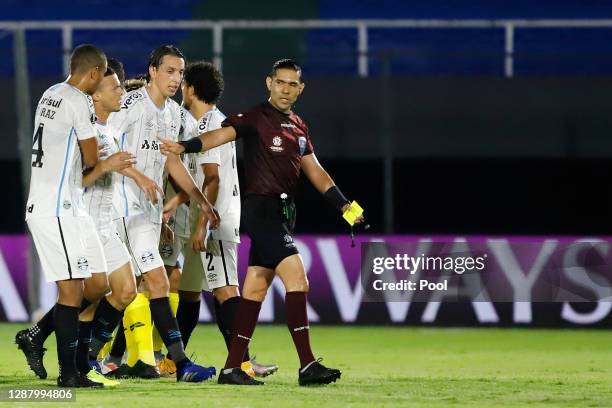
x=382 y=366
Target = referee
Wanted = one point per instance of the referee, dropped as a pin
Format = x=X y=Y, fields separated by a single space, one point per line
x=277 y=146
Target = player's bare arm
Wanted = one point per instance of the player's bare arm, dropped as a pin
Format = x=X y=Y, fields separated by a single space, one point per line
x=171 y=205
x=210 y=188
x=89 y=151
x=320 y=179
x=116 y=162
x=181 y=175
x=205 y=141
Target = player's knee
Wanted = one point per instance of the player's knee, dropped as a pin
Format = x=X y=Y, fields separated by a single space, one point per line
x=297 y=284
x=255 y=293
x=226 y=292
x=126 y=296
x=157 y=284
x=174 y=281
x=97 y=289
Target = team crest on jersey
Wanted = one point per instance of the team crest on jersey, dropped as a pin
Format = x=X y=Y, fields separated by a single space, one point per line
x=67 y=205
x=82 y=264
x=147 y=257
x=277 y=141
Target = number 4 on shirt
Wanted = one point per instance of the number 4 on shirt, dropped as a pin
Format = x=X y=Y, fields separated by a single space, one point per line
x=37 y=146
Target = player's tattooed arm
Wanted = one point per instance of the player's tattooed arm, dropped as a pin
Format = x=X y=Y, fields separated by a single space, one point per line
x=148 y=186
x=181 y=175
x=207 y=141
x=116 y=162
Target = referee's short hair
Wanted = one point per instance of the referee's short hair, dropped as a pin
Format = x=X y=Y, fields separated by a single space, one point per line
x=85 y=57
x=285 y=63
x=206 y=79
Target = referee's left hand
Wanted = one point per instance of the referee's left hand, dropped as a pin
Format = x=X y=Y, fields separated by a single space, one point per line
x=358 y=220
x=168 y=146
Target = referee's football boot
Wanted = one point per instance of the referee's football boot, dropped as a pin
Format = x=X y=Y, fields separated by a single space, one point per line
x=316 y=373
x=33 y=351
x=236 y=376
x=77 y=380
x=192 y=372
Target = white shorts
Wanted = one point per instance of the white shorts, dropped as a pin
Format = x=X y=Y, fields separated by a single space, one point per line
x=141 y=237
x=68 y=247
x=205 y=271
x=115 y=252
x=170 y=253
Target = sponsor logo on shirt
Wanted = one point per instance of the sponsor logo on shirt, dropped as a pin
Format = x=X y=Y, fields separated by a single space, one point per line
x=131 y=99
x=288 y=125
x=67 y=205
x=277 y=141
x=149 y=145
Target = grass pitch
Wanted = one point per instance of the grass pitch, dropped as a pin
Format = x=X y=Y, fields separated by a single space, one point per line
x=381 y=367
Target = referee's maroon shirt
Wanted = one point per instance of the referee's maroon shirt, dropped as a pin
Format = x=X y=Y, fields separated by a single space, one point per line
x=274 y=143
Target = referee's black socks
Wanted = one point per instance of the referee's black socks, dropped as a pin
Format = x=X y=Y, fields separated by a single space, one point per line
x=66 y=324
x=166 y=324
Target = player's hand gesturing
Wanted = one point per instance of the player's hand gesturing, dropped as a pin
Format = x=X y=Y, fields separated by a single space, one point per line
x=150 y=188
x=169 y=147
x=211 y=214
x=118 y=161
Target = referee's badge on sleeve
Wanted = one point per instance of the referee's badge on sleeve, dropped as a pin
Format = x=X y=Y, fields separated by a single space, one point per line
x=302 y=142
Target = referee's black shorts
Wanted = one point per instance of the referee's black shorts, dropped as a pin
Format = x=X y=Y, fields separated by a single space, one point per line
x=264 y=223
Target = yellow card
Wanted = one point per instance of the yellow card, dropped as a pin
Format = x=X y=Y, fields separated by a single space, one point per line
x=352 y=213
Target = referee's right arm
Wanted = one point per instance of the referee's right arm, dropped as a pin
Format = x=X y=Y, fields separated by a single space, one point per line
x=203 y=142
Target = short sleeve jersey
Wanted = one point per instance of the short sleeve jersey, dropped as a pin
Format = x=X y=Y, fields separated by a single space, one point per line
x=64 y=115
x=99 y=196
x=228 y=198
x=141 y=125
x=274 y=144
